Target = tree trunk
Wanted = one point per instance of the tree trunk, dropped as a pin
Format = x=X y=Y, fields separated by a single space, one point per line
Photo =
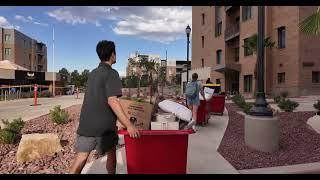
x=138 y=94
x=150 y=82
x=162 y=87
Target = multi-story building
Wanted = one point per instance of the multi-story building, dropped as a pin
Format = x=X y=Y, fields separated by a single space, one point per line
x=219 y=34
x=22 y=50
x=175 y=68
x=134 y=70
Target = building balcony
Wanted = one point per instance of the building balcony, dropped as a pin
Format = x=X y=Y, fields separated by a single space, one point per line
x=227 y=8
x=227 y=67
x=232 y=32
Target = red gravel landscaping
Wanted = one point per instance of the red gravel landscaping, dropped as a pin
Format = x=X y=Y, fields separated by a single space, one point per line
x=57 y=164
x=298 y=143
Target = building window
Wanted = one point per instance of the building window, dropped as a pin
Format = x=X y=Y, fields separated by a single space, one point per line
x=281 y=78
x=7 y=37
x=248 y=83
x=218 y=81
x=7 y=51
x=246 y=13
x=315 y=76
x=24 y=43
x=218 y=21
x=202 y=41
x=247 y=51
x=282 y=37
x=218 y=55
x=203 y=19
x=202 y=62
x=218 y=29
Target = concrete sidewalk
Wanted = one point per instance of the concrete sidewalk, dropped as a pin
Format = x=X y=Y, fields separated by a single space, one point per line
x=21 y=108
x=203 y=157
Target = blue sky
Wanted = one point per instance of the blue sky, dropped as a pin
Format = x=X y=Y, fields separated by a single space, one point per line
x=78 y=29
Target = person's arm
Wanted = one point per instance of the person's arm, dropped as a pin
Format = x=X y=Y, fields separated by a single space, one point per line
x=202 y=92
x=123 y=119
x=113 y=88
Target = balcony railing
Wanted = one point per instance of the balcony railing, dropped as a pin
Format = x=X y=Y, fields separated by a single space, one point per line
x=232 y=32
x=227 y=8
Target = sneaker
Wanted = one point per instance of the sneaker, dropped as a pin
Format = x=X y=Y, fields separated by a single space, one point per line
x=191 y=124
x=194 y=128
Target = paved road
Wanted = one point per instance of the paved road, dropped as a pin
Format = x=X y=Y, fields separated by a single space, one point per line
x=21 y=108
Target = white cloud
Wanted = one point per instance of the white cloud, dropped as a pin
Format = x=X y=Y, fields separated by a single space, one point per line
x=5 y=23
x=29 y=19
x=162 y=24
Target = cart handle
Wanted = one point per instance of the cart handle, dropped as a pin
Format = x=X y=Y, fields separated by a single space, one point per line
x=160 y=132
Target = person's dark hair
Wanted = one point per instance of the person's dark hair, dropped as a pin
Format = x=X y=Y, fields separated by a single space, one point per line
x=194 y=76
x=105 y=49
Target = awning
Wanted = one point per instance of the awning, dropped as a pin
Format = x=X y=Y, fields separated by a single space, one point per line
x=227 y=67
x=6 y=64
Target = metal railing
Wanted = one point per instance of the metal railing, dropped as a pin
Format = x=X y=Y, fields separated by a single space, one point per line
x=232 y=32
x=226 y=8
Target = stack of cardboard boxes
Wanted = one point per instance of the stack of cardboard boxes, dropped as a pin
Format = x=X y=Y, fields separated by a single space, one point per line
x=140 y=115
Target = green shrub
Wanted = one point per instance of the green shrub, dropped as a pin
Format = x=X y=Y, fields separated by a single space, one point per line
x=317 y=105
x=287 y=105
x=59 y=115
x=239 y=100
x=11 y=133
x=277 y=99
x=246 y=108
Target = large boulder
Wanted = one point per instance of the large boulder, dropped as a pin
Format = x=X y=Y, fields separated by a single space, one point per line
x=36 y=146
x=314 y=123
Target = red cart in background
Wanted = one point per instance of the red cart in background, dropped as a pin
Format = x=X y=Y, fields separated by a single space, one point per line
x=157 y=151
x=216 y=104
x=202 y=113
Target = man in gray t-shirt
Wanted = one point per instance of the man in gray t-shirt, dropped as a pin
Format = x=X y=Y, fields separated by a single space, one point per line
x=100 y=111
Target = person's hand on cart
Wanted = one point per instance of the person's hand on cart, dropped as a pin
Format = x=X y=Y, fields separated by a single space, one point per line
x=133 y=131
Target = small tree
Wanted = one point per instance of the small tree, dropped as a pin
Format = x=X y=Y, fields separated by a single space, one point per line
x=253 y=43
x=162 y=78
x=311 y=25
x=84 y=77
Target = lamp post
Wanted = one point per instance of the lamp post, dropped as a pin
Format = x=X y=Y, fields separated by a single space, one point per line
x=260 y=107
x=261 y=128
x=53 y=74
x=188 y=31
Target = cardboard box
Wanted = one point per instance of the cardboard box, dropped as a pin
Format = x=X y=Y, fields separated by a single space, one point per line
x=165 y=117
x=165 y=125
x=138 y=112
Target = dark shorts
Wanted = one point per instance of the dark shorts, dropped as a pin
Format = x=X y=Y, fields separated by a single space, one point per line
x=101 y=144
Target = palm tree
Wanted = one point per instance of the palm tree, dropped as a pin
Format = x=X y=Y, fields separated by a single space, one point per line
x=140 y=63
x=311 y=25
x=151 y=67
x=253 y=43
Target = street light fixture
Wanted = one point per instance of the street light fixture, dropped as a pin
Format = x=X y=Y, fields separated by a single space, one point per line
x=260 y=107
x=188 y=31
x=261 y=128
